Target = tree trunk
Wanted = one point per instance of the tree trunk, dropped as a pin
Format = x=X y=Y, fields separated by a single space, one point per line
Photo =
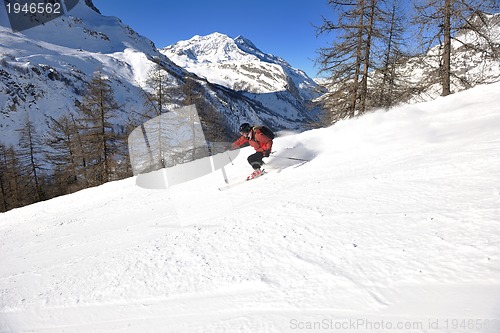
x=366 y=66
x=355 y=87
x=446 y=70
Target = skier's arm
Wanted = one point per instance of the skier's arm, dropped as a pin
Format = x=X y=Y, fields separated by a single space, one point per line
x=240 y=142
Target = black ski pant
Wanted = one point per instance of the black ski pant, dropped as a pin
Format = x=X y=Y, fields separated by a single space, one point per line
x=255 y=160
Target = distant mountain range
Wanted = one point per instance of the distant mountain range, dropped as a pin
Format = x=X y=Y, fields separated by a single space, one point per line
x=239 y=65
x=43 y=73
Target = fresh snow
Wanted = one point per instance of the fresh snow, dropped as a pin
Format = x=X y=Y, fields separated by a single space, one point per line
x=393 y=223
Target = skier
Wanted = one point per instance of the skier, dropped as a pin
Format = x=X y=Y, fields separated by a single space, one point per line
x=259 y=141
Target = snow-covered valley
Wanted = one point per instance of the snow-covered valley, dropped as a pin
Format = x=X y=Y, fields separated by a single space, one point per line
x=394 y=225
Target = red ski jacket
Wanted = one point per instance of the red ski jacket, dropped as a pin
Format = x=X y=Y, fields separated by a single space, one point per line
x=256 y=139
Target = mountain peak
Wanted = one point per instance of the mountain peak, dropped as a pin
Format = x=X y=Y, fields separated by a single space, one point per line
x=212 y=48
x=217 y=47
x=91 y=5
x=238 y=64
x=246 y=44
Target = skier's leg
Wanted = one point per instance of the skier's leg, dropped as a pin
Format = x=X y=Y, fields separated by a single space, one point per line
x=255 y=160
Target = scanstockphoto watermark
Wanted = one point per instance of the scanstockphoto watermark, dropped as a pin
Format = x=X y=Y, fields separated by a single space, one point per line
x=354 y=325
x=365 y=324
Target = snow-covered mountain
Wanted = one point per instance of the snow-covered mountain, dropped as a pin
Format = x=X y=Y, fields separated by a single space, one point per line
x=392 y=226
x=239 y=65
x=43 y=72
x=44 y=69
x=469 y=65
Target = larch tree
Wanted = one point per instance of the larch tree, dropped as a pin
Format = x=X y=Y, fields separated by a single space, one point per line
x=65 y=154
x=10 y=178
x=352 y=57
x=440 y=21
x=99 y=140
x=30 y=159
x=390 y=87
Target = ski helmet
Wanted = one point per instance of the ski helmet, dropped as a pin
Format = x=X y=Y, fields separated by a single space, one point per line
x=245 y=128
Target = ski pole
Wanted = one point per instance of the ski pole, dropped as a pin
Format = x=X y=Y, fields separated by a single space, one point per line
x=230 y=159
x=224 y=175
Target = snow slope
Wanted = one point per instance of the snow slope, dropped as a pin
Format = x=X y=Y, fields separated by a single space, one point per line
x=393 y=224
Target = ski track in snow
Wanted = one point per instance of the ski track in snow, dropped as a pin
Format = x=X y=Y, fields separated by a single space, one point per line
x=395 y=218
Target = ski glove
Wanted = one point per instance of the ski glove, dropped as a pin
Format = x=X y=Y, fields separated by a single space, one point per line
x=267 y=153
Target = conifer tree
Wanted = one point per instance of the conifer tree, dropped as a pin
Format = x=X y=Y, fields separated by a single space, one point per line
x=389 y=86
x=97 y=133
x=350 y=60
x=439 y=22
x=65 y=154
x=9 y=179
x=30 y=159
x=159 y=93
x=4 y=190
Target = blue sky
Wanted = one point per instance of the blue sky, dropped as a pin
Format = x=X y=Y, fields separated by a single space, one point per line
x=280 y=27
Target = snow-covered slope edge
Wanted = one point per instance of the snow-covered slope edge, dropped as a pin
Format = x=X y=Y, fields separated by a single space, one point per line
x=394 y=221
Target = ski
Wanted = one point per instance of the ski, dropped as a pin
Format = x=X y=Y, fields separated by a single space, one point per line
x=231 y=185
x=239 y=182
